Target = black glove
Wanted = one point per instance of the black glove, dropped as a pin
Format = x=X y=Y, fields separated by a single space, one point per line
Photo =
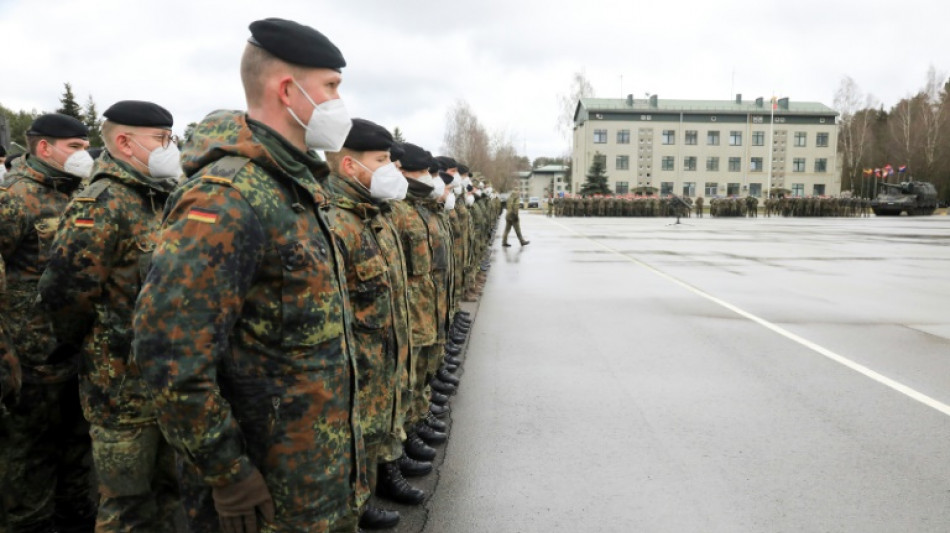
x=237 y=504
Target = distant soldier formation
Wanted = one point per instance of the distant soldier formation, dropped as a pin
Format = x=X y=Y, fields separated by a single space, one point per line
x=676 y=206
x=237 y=334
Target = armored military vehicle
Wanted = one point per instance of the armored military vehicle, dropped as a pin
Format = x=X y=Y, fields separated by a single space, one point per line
x=911 y=197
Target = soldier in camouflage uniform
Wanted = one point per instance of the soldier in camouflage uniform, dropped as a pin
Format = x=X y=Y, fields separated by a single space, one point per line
x=363 y=182
x=241 y=328
x=96 y=268
x=45 y=450
x=512 y=220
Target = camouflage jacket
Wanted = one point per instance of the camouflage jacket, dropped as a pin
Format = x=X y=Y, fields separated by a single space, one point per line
x=414 y=237
x=376 y=282
x=240 y=328
x=11 y=376
x=513 y=206
x=97 y=265
x=441 y=244
x=32 y=199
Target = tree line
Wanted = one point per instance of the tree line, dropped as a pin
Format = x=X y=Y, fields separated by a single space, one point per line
x=913 y=133
x=18 y=122
x=492 y=155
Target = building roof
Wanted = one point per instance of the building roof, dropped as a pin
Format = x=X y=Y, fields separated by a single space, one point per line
x=548 y=169
x=642 y=105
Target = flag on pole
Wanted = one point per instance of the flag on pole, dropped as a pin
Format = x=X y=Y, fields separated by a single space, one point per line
x=902 y=169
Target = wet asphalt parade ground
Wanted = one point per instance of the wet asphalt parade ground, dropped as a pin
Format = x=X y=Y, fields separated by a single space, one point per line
x=721 y=375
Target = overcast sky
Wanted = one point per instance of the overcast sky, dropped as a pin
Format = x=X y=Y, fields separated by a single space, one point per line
x=409 y=61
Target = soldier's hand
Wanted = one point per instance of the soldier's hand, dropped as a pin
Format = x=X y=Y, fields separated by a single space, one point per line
x=237 y=504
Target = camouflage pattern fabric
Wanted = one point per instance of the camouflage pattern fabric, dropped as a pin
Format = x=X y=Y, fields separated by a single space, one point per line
x=241 y=327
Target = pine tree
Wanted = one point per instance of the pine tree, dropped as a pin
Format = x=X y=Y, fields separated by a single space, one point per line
x=397 y=135
x=69 y=105
x=92 y=121
x=596 y=178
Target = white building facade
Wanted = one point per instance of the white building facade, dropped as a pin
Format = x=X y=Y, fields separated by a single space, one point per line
x=709 y=148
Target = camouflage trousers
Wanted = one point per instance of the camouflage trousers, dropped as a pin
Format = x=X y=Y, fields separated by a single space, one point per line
x=138 y=482
x=45 y=455
x=512 y=224
x=421 y=392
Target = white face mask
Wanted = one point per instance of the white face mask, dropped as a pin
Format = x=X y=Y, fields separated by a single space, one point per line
x=78 y=163
x=438 y=188
x=163 y=163
x=387 y=182
x=426 y=179
x=328 y=126
x=3 y=171
x=469 y=200
x=450 y=202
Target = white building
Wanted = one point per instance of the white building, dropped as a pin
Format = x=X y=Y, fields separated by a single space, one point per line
x=708 y=147
x=541 y=181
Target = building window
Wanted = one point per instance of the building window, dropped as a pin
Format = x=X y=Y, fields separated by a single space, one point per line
x=758 y=138
x=623 y=136
x=712 y=188
x=712 y=138
x=798 y=189
x=755 y=164
x=712 y=164
x=755 y=189
x=689 y=188
x=821 y=140
x=798 y=164
x=735 y=164
x=801 y=138
x=667 y=162
x=559 y=178
x=622 y=187
x=821 y=165
x=689 y=163
x=735 y=138
x=600 y=136
x=666 y=187
x=732 y=189
x=623 y=162
x=818 y=189
x=691 y=136
x=669 y=137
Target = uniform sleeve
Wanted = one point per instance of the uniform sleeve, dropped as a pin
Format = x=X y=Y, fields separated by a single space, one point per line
x=10 y=375
x=14 y=223
x=208 y=253
x=78 y=267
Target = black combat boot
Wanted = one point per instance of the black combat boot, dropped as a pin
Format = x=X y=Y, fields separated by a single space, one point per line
x=460 y=329
x=446 y=377
x=376 y=518
x=438 y=385
x=452 y=360
x=464 y=314
x=392 y=486
x=450 y=367
x=412 y=468
x=435 y=423
x=452 y=349
x=418 y=450
x=439 y=399
x=439 y=410
x=430 y=436
x=457 y=338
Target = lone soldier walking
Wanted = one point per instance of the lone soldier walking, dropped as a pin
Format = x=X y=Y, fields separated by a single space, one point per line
x=512 y=221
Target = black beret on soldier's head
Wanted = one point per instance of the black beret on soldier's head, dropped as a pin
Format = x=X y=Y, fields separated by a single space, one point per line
x=415 y=158
x=3 y=151
x=446 y=162
x=139 y=113
x=366 y=136
x=57 y=126
x=434 y=166
x=296 y=44
x=463 y=170
x=396 y=152
x=446 y=177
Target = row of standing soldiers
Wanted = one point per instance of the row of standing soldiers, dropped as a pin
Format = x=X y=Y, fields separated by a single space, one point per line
x=670 y=206
x=258 y=345
x=618 y=206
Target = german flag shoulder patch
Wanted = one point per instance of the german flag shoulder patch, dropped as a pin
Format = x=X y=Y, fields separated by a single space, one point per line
x=199 y=214
x=85 y=222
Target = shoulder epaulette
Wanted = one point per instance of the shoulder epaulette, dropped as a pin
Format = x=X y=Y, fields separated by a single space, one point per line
x=223 y=170
x=92 y=192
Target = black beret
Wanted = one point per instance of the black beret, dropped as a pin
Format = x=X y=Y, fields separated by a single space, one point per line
x=415 y=158
x=57 y=126
x=396 y=152
x=446 y=177
x=95 y=152
x=296 y=43
x=3 y=151
x=469 y=188
x=366 y=136
x=139 y=113
x=446 y=162
x=463 y=170
x=433 y=166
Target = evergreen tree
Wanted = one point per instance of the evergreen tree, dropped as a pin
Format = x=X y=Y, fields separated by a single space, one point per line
x=189 y=130
x=397 y=135
x=18 y=122
x=92 y=121
x=69 y=106
x=596 y=178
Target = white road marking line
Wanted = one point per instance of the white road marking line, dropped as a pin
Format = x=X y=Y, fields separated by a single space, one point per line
x=840 y=359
